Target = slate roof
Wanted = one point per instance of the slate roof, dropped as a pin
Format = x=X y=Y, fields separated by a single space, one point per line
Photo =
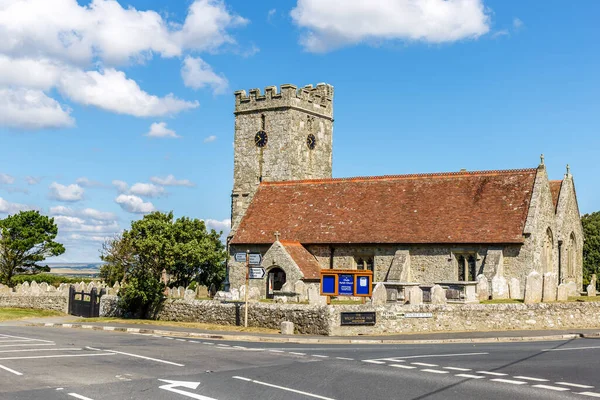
x=307 y=263
x=456 y=207
x=555 y=190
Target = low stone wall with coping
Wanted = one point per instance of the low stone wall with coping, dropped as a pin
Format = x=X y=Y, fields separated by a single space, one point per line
x=53 y=303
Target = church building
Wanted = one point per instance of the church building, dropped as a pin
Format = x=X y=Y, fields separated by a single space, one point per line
x=425 y=228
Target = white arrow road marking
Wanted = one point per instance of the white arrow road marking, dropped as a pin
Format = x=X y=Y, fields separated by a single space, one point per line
x=282 y=388
x=171 y=385
x=591 y=394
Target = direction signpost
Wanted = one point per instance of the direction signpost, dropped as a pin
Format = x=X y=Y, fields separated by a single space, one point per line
x=254 y=272
x=257 y=272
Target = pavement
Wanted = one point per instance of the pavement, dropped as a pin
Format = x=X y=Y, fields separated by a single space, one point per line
x=54 y=363
x=412 y=338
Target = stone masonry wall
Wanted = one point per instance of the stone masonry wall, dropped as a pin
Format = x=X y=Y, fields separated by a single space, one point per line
x=53 y=303
x=569 y=223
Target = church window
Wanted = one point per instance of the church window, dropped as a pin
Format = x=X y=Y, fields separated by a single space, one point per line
x=262 y=122
x=547 y=250
x=467 y=267
x=364 y=263
x=571 y=254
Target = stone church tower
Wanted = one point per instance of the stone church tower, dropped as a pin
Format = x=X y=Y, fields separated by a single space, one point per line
x=280 y=136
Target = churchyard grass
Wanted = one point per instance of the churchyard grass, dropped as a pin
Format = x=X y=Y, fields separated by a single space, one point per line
x=193 y=325
x=585 y=298
x=502 y=301
x=7 y=314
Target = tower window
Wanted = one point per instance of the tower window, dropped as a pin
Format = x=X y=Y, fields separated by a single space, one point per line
x=262 y=122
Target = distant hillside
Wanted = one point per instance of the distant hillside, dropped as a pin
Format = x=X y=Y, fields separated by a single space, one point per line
x=75 y=269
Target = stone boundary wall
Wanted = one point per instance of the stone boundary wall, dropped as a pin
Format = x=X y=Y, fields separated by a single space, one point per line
x=47 y=302
x=325 y=320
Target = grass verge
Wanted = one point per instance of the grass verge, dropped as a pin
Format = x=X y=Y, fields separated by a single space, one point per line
x=193 y=325
x=502 y=301
x=9 y=314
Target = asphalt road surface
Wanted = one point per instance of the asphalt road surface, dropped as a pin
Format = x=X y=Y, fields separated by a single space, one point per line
x=66 y=364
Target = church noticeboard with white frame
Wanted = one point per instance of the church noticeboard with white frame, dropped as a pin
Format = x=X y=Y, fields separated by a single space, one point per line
x=346 y=282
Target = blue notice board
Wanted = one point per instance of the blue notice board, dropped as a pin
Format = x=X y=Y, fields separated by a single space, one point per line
x=346 y=285
x=328 y=285
x=363 y=284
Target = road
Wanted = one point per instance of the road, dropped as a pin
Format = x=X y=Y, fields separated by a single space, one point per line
x=66 y=364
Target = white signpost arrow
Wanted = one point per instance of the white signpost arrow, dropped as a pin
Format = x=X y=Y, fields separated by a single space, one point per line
x=257 y=273
x=171 y=385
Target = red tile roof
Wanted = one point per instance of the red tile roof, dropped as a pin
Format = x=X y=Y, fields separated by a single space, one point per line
x=555 y=190
x=307 y=263
x=457 y=207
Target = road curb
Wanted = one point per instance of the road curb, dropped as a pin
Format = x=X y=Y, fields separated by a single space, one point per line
x=324 y=340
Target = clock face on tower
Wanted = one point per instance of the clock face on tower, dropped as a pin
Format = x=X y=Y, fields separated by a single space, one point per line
x=260 y=139
x=311 y=141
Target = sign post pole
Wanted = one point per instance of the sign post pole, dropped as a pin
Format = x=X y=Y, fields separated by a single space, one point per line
x=246 y=291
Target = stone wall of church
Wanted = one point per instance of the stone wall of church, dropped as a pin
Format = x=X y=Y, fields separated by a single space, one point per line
x=569 y=225
x=237 y=270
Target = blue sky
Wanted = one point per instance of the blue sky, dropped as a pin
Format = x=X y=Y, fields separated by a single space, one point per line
x=111 y=109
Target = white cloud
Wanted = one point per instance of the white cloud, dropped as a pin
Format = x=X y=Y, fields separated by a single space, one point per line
x=146 y=190
x=6 y=179
x=502 y=32
x=51 y=45
x=33 y=180
x=71 y=192
x=517 y=23
x=112 y=91
x=271 y=14
x=32 y=109
x=134 y=204
x=7 y=207
x=210 y=139
x=160 y=130
x=85 y=182
x=224 y=225
x=88 y=213
x=197 y=74
x=329 y=25
x=121 y=186
x=170 y=180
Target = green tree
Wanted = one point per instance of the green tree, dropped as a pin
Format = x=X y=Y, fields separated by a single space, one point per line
x=183 y=247
x=26 y=239
x=591 y=245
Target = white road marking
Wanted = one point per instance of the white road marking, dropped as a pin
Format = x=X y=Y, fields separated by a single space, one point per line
x=345 y=358
x=56 y=356
x=78 y=396
x=145 y=358
x=181 y=340
x=208 y=343
x=396 y=359
x=20 y=337
x=297 y=354
x=470 y=376
x=591 y=394
x=509 y=381
x=374 y=361
x=557 y=388
x=425 y=364
x=18 y=340
x=319 y=355
x=276 y=351
x=402 y=366
x=573 y=348
x=240 y=347
x=194 y=341
x=172 y=385
x=491 y=373
x=223 y=345
x=170 y=338
x=26 y=350
x=457 y=369
x=283 y=388
x=528 y=378
x=12 y=371
x=27 y=344
x=435 y=371
x=577 y=385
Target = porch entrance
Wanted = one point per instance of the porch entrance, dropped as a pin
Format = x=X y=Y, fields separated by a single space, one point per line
x=275 y=281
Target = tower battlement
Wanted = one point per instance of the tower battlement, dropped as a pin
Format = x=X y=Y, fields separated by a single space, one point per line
x=317 y=99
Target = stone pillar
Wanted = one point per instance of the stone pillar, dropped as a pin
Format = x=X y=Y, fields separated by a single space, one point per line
x=287 y=328
x=533 y=288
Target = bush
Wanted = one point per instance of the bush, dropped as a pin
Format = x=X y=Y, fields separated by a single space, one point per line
x=142 y=296
x=50 y=279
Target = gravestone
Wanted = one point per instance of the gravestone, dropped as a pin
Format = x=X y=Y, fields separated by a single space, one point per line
x=254 y=294
x=483 y=288
x=562 y=292
x=201 y=291
x=550 y=287
x=189 y=295
x=301 y=290
x=4 y=289
x=34 y=289
x=242 y=292
x=392 y=294
x=43 y=287
x=181 y=291
x=514 y=289
x=591 y=288
x=438 y=295
x=379 y=295
x=572 y=289
x=499 y=288
x=533 y=288
x=314 y=296
x=235 y=294
x=212 y=290
x=414 y=295
x=51 y=289
x=287 y=287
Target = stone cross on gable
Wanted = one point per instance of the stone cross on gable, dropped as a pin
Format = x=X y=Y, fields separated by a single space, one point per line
x=568 y=169
x=542 y=159
x=277 y=234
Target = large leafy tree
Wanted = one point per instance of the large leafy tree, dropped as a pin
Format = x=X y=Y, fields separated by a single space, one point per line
x=591 y=245
x=183 y=247
x=26 y=239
